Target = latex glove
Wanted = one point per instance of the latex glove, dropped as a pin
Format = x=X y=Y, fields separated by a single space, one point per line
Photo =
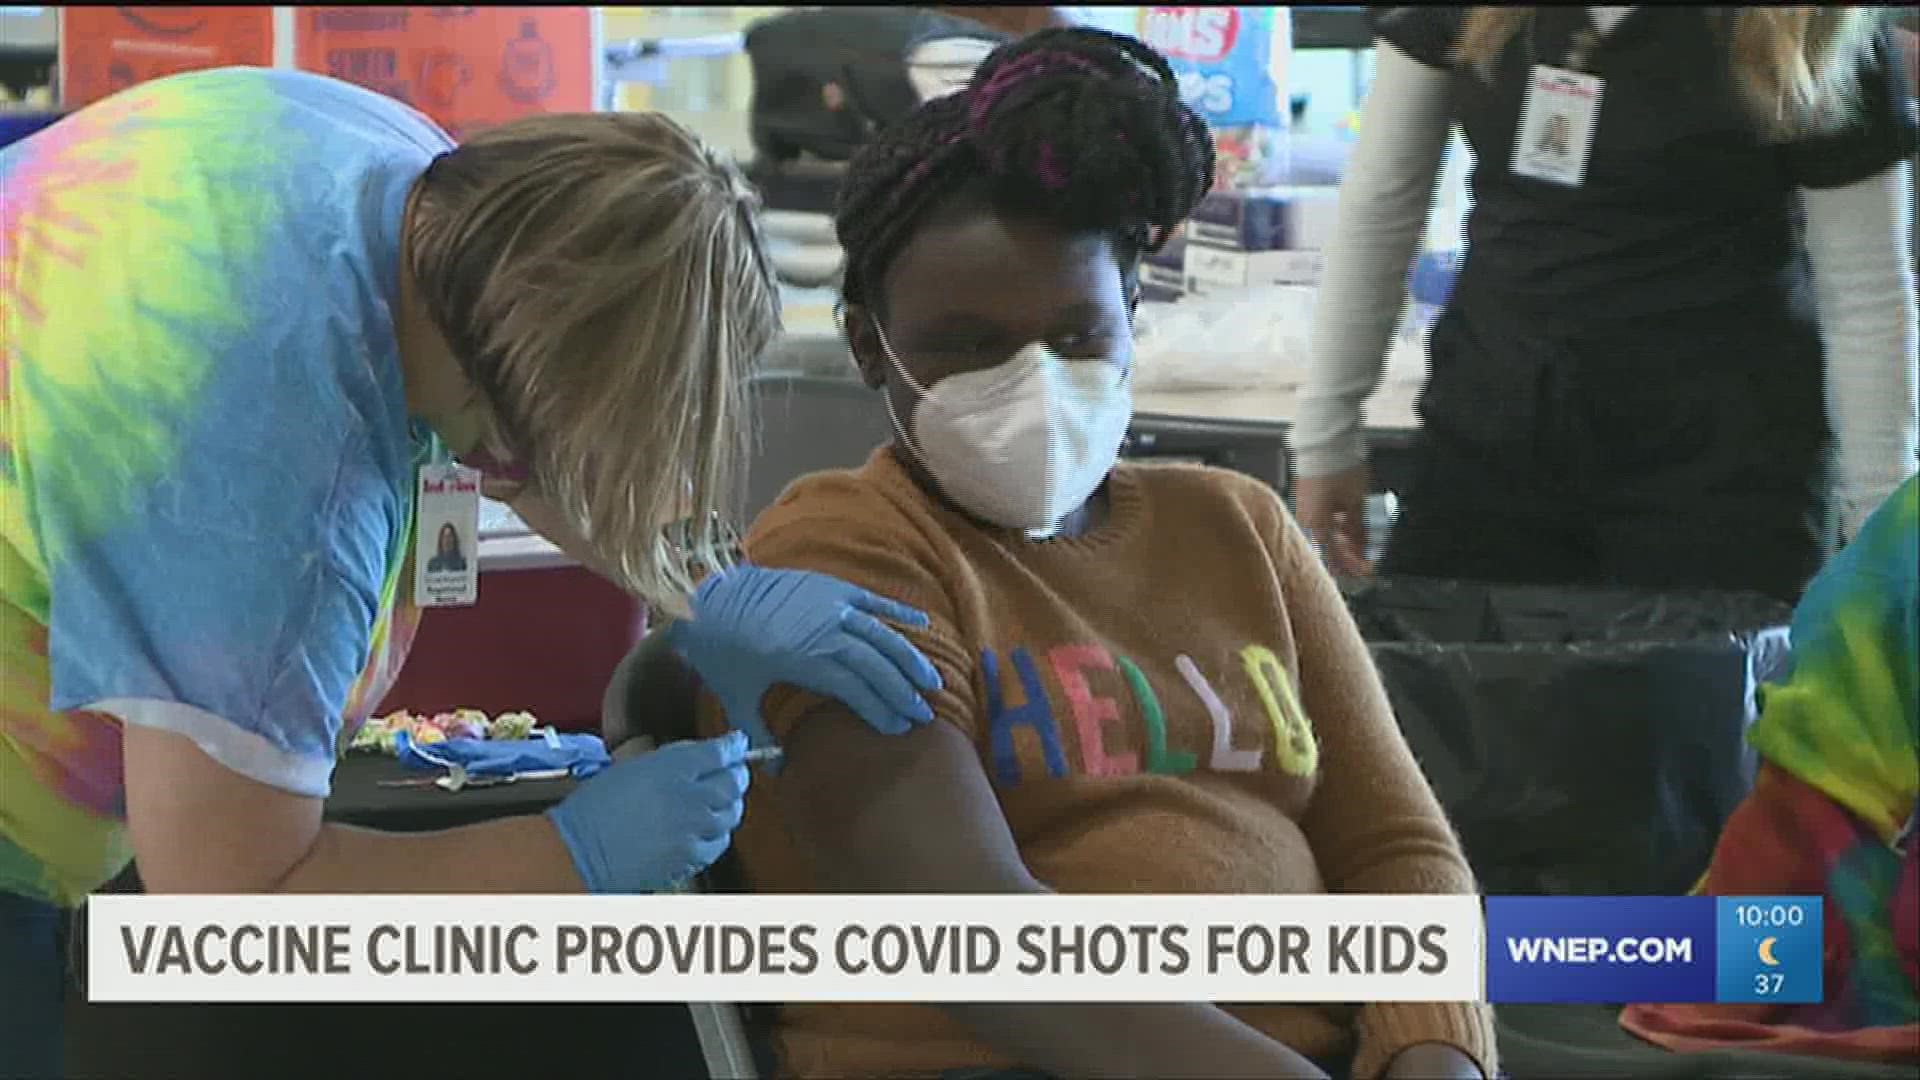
x=753 y=627
x=652 y=822
x=1332 y=509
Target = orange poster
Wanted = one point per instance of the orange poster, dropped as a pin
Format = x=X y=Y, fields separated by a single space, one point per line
x=104 y=49
x=467 y=67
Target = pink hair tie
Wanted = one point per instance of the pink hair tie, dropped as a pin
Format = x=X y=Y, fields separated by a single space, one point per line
x=985 y=97
x=1051 y=174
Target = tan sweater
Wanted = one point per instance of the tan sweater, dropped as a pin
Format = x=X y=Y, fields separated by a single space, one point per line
x=1175 y=702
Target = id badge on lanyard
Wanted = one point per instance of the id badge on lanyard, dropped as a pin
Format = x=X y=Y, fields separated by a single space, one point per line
x=1556 y=125
x=446 y=536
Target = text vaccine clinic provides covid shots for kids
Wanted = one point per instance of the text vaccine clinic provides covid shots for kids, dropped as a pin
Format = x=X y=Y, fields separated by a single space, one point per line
x=954 y=948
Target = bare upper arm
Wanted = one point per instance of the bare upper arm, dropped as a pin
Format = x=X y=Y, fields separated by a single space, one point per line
x=198 y=826
x=895 y=813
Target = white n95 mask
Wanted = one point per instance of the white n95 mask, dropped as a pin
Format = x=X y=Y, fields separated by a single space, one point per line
x=1022 y=444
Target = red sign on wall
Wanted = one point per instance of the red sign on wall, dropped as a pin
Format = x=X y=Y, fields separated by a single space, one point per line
x=466 y=67
x=107 y=49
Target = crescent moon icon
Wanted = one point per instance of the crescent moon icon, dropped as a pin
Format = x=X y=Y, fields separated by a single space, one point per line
x=1766 y=951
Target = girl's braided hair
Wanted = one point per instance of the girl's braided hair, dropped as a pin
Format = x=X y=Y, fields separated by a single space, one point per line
x=1078 y=127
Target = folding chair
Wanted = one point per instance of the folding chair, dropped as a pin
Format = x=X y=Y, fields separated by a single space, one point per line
x=653 y=700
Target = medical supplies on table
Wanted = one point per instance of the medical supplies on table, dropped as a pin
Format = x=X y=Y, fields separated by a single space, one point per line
x=382 y=733
x=476 y=762
x=465 y=748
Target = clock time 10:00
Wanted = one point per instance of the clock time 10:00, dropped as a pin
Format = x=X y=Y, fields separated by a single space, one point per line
x=1770 y=916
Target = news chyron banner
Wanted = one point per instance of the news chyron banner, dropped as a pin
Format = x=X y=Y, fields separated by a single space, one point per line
x=784 y=948
x=955 y=948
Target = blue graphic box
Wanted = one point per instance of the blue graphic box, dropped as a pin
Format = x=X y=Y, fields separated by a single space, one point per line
x=1654 y=949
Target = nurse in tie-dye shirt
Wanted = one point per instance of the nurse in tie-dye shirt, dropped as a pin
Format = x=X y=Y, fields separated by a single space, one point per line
x=239 y=308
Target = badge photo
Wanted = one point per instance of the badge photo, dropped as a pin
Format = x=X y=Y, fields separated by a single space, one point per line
x=1556 y=126
x=446 y=555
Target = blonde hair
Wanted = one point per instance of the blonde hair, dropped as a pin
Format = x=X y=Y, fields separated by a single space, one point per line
x=1794 y=66
x=602 y=279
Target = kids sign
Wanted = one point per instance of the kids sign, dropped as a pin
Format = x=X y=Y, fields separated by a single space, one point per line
x=1223 y=57
x=468 y=68
x=104 y=50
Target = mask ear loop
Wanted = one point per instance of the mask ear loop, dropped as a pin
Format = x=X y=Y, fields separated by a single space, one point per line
x=913 y=384
x=892 y=358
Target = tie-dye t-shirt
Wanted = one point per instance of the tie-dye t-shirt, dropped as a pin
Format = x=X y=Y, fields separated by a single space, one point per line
x=1846 y=719
x=206 y=459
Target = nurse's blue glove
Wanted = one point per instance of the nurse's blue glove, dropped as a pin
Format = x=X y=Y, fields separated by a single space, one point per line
x=753 y=627
x=651 y=822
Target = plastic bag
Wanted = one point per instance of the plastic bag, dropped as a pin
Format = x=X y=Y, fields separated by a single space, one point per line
x=1230 y=63
x=1583 y=742
x=1256 y=338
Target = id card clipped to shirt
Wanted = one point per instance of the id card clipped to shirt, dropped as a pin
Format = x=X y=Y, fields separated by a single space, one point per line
x=446 y=541
x=1556 y=125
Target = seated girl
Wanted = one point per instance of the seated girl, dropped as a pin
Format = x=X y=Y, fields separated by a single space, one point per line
x=1150 y=683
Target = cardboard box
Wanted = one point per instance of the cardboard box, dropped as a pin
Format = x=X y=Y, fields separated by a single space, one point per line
x=1278 y=219
x=1215 y=269
x=1161 y=285
x=1163 y=274
x=1160 y=294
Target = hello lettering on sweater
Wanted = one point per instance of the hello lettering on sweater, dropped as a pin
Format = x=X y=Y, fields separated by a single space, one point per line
x=1059 y=662
x=1090 y=713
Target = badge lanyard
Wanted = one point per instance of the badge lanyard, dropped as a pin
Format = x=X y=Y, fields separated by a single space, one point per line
x=446 y=536
x=1558 y=116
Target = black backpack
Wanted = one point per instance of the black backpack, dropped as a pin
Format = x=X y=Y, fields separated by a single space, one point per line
x=861 y=50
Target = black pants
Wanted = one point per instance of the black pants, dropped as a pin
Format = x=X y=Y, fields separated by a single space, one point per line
x=1686 y=454
x=33 y=987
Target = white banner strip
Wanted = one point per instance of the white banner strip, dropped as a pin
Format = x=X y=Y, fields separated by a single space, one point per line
x=784 y=948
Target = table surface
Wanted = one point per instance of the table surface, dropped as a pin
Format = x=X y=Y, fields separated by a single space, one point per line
x=1389 y=410
x=359 y=798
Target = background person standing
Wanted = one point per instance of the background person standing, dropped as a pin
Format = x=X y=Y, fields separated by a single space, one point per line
x=1654 y=334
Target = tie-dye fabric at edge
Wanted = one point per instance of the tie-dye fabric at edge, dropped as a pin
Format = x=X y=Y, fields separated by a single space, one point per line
x=205 y=453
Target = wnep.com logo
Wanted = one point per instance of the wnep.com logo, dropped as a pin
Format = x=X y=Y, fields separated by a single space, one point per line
x=1600 y=950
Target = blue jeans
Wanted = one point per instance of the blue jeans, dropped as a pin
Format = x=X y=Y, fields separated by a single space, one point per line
x=33 y=987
